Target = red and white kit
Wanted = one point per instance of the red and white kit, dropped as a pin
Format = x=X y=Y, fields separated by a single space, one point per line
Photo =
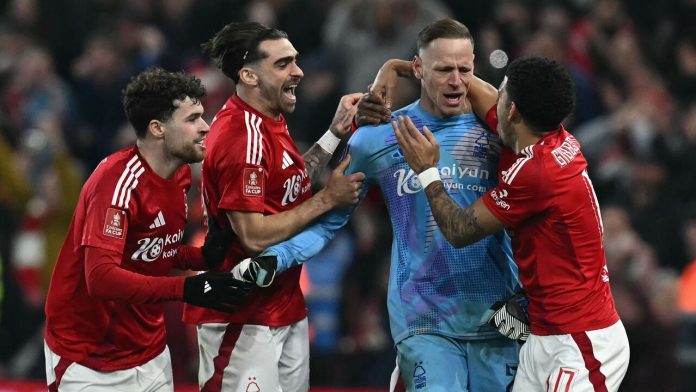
x=547 y=202
x=126 y=230
x=252 y=164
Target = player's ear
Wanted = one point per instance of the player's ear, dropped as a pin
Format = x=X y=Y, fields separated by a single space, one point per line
x=248 y=76
x=417 y=66
x=156 y=128
x=514 y=114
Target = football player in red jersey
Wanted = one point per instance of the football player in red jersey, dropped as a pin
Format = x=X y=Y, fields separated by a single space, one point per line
x=547 y=202
x=256 y=182
x=104 y=322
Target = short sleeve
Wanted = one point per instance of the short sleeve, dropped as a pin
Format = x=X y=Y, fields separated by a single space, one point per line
x=522 y=193
x=243 y=170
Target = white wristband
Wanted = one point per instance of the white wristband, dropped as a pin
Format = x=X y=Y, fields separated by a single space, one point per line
x=329 y=142
x=428 y=176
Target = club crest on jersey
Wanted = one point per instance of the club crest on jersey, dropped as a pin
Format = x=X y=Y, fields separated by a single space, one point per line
x=420 y=380
x=113 y=224
x=252 y=386
x=482 y=143
x=253 y=182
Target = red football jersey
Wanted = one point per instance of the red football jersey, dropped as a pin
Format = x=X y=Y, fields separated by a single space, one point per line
x=124 y=207
x=546 y=200
x=252 y=164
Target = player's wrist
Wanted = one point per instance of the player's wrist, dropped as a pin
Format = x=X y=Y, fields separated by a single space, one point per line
x=329 y=140
x=428 y=176
x=324 y=201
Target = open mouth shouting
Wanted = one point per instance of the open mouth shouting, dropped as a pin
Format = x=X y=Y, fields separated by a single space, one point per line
x=454 y=99
x=289 y=92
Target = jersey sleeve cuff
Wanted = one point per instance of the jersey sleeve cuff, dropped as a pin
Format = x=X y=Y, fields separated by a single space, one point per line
x=492 y=119
x=492 y=207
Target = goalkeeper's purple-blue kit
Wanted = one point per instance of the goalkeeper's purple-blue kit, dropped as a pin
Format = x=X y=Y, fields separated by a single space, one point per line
x=437 y=294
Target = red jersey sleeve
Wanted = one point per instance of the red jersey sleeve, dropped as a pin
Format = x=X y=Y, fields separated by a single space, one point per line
x=242 y=167
x=106 y=222
x=522 y=192
x=190 y=258
x=507 y=155
x=105 y=278
x=492 y=119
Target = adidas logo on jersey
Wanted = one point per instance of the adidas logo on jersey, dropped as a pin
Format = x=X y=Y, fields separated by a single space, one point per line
x=159 y=221
x=206 y=287
x=287 y=161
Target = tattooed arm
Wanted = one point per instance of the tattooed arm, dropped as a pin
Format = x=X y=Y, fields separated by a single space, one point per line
x=315 y=160
x=461 y=226
x=320 y=153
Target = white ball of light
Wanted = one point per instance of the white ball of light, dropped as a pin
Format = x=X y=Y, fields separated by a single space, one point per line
x=498 y=58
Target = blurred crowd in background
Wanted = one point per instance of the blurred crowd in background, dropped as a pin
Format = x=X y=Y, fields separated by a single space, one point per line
x=63 y=64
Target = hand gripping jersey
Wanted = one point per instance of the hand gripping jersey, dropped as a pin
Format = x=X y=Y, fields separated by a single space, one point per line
x=126 y=208
x=252 y=164
x=433 y=287
x=547 y=201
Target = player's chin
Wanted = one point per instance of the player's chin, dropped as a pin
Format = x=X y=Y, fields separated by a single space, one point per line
x=450 y=111
x=194 y=155
x=288 y=107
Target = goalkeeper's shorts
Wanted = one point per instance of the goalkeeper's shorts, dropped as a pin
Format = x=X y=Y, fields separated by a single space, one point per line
x=438 y=363
x=580 y=362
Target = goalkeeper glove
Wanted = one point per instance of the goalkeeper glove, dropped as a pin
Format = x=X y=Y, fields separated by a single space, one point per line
x=260 y=270
x=215 y=290
x=509 y=317
x=216 y=241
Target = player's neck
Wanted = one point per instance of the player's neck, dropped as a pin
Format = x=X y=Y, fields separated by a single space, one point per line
x=253 y=98
x=159 y=161
x=525 y=138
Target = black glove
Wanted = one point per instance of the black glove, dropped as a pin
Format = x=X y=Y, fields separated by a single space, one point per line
x=216 y=241
x=259 y=270
x=509 y=317
x=216 y=290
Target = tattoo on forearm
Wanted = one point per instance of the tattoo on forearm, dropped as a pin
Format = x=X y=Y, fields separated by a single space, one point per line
x=315 y=160
x=459 y=225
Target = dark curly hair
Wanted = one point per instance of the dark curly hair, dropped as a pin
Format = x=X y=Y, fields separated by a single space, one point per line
x=443 y=28
x=150 y=95
x=542 y=90
x=237 y=44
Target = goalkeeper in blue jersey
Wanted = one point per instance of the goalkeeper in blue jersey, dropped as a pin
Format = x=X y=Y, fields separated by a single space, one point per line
x=438 y=295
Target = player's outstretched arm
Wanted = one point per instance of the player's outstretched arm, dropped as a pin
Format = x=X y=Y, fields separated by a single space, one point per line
x=320 y=153
x=482 y=95
x=261 y=270
x=106 y=279
x=461 y=226
x=374 y=107
x=216 y=290
x=277 y=259
x=257 y=231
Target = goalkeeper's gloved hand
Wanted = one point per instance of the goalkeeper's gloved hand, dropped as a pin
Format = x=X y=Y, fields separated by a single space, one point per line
x=216 y=242
x=509 y=317
x=259 y=270
x=216 y=290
